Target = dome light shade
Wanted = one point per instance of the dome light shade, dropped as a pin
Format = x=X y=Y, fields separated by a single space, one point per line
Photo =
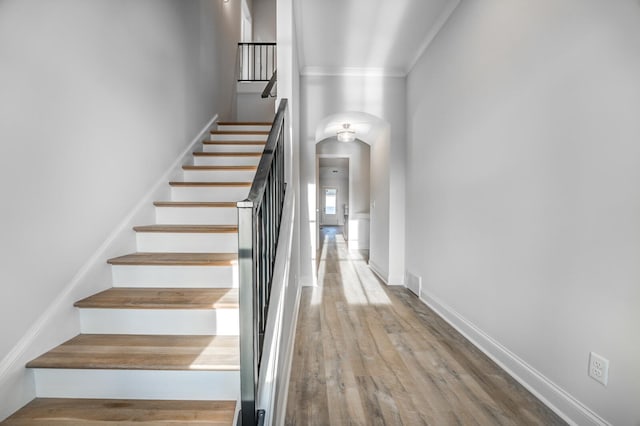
x=346 y=134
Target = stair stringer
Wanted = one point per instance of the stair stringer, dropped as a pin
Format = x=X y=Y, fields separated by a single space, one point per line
x=61 y=321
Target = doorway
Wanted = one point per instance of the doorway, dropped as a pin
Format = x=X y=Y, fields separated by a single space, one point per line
x=333 y=196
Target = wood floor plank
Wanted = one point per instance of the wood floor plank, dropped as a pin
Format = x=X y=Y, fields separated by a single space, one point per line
x=76 y=412
x=244 y=123
x=189 y=229
x=208 y=204
x=239 y=132
x=143 y=352
x=234 y=142
x=225 y=168
x=175 y=259
x=162 y=298
x=210 y=184
x=226 y=154
x=380 y=356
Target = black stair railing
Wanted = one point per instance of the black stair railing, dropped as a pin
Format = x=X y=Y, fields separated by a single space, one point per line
x=268 y=89
x=256 y=61
x=258 y=229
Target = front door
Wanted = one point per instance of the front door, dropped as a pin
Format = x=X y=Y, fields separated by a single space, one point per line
x=329 y=206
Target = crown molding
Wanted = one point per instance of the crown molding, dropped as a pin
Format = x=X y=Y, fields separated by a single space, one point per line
x=435 y=30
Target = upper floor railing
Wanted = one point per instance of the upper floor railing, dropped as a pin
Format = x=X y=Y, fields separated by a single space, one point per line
x=258 y=229
x=256 y=61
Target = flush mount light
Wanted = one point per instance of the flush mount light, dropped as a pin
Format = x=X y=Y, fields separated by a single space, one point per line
x=346 y=134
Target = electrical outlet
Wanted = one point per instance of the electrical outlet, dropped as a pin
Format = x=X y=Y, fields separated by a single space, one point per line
x=598 y=368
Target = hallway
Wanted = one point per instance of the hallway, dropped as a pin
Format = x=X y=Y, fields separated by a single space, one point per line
x=368 y=354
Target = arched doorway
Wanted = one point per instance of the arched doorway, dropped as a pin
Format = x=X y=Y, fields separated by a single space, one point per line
x=366 y=222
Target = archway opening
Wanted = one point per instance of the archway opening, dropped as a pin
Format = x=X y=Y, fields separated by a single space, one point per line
x=361 y=208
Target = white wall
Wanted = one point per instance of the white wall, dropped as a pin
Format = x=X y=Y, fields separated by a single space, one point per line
x=250 y=106
x=383 y=97
x=264 y=20
x=523 y=201
x=97 y=99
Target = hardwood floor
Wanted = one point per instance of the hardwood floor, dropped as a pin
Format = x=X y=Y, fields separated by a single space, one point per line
x=368 y=354
x=82 y=412
x=143 y=352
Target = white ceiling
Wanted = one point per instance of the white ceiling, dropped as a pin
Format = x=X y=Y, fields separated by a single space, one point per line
x=366 y=36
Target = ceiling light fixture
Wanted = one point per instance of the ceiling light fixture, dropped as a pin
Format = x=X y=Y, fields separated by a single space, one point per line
x=346 y=134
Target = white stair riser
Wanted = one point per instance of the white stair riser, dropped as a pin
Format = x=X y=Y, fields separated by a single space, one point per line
x=175 y=276
x=221 y=322
x=231 y=147
x=243 y=128
x=196 y=215
x=137 y=384
x=238 y=137
x=226 y=161
x=180 y=242
x=219 y=175
x=192 y=193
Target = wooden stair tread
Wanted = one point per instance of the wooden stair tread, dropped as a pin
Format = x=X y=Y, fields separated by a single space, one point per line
x=226 y=154
x=225 y=168
x=247 y=142
x=213 y=184
x=162 y=298
x=188 y=229
x=77 y=412
x=143 y=352
x=176 y=259
x=244 y=123
x=195 y=204
x=239 y=132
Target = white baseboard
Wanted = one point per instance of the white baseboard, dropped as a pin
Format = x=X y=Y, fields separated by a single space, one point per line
x=557 y=399
x=396 y=281
x=60 y=321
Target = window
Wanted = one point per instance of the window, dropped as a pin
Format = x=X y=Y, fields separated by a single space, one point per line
x=330 y=200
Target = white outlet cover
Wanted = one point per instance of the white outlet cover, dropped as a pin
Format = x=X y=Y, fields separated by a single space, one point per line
x=598 y=368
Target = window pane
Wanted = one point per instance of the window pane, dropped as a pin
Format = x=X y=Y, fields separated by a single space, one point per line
x=330 y=201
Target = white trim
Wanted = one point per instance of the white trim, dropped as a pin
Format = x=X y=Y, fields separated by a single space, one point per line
x=552 y=395
x=311 y=71
x=282 y=403
x=35 y=338
x=435 y=29
x=273 y=337
x=396 y=281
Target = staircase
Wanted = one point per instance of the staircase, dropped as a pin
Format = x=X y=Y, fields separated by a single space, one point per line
x=161 y=345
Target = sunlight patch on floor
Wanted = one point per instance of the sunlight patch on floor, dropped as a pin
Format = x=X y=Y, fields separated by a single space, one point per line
x=347 y=269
